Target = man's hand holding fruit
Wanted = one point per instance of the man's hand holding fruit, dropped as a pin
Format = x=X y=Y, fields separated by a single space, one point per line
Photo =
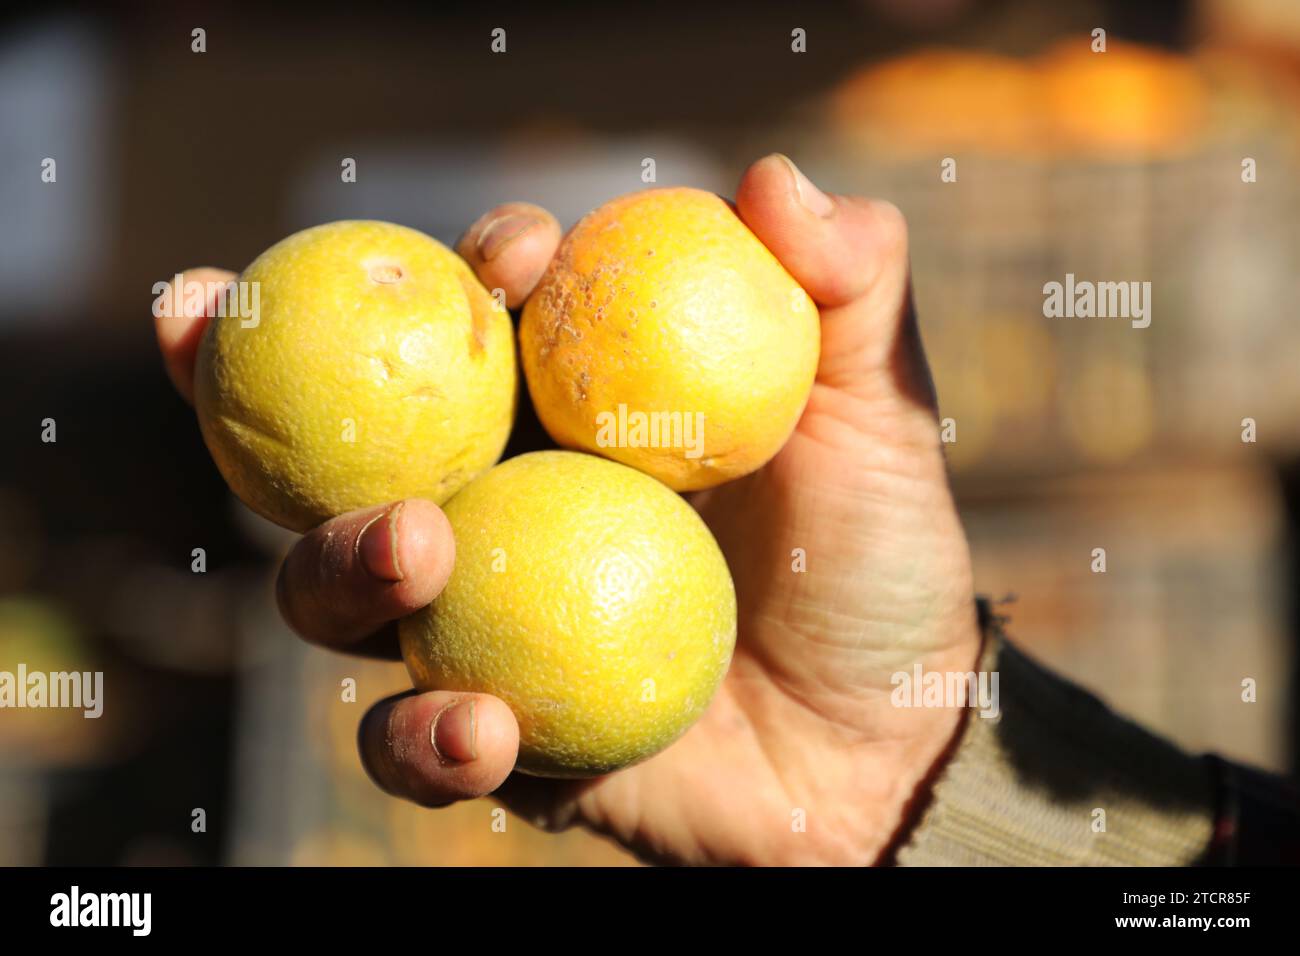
x=582 y=630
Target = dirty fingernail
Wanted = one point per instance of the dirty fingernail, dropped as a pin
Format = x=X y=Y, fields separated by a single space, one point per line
x=454 y=732
x=377 y=545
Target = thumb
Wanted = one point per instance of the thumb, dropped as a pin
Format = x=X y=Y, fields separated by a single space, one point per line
x=850 y=254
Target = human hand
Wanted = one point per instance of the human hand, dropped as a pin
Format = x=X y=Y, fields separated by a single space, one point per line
x=803 y=726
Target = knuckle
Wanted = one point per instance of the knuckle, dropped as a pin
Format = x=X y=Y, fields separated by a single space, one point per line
x=312 y=580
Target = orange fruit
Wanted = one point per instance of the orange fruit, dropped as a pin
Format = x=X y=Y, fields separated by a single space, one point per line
x=591 y=599
x=1130 y=101
x=666 y=336
x=377 y=368
x=941 y=101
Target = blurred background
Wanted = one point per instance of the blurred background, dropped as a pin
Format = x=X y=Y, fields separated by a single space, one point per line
x=1071 y=434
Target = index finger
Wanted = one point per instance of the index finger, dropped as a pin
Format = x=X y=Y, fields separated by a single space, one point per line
x=179 y=318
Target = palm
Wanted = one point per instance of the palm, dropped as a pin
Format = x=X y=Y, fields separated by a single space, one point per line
x=801 y=729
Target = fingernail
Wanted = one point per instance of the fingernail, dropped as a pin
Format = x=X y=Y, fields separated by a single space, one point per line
x=377 y=545
x=454 y=731
x=503 y=231
x=811 y=198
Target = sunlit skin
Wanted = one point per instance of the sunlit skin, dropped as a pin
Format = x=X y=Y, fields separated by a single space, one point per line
x=801 y=758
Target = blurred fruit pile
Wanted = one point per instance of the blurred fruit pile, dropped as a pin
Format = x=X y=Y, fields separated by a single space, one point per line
x=1121 y=166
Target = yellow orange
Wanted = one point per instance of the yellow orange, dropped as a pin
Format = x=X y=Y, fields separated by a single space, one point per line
x=591 y=599
x=666 y=336
x=378 y=368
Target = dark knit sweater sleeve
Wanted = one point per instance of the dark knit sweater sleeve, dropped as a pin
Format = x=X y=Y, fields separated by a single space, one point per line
x=1057 y=778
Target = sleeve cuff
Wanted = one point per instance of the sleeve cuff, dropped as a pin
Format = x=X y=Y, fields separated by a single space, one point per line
x=1057 y=779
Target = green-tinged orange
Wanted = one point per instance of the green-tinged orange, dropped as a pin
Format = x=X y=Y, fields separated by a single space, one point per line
x=588 y=596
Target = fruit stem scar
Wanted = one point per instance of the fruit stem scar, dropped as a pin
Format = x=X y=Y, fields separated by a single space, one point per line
x=385 y=273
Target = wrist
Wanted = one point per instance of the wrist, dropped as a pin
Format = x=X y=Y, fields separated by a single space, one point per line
x=929 y=726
